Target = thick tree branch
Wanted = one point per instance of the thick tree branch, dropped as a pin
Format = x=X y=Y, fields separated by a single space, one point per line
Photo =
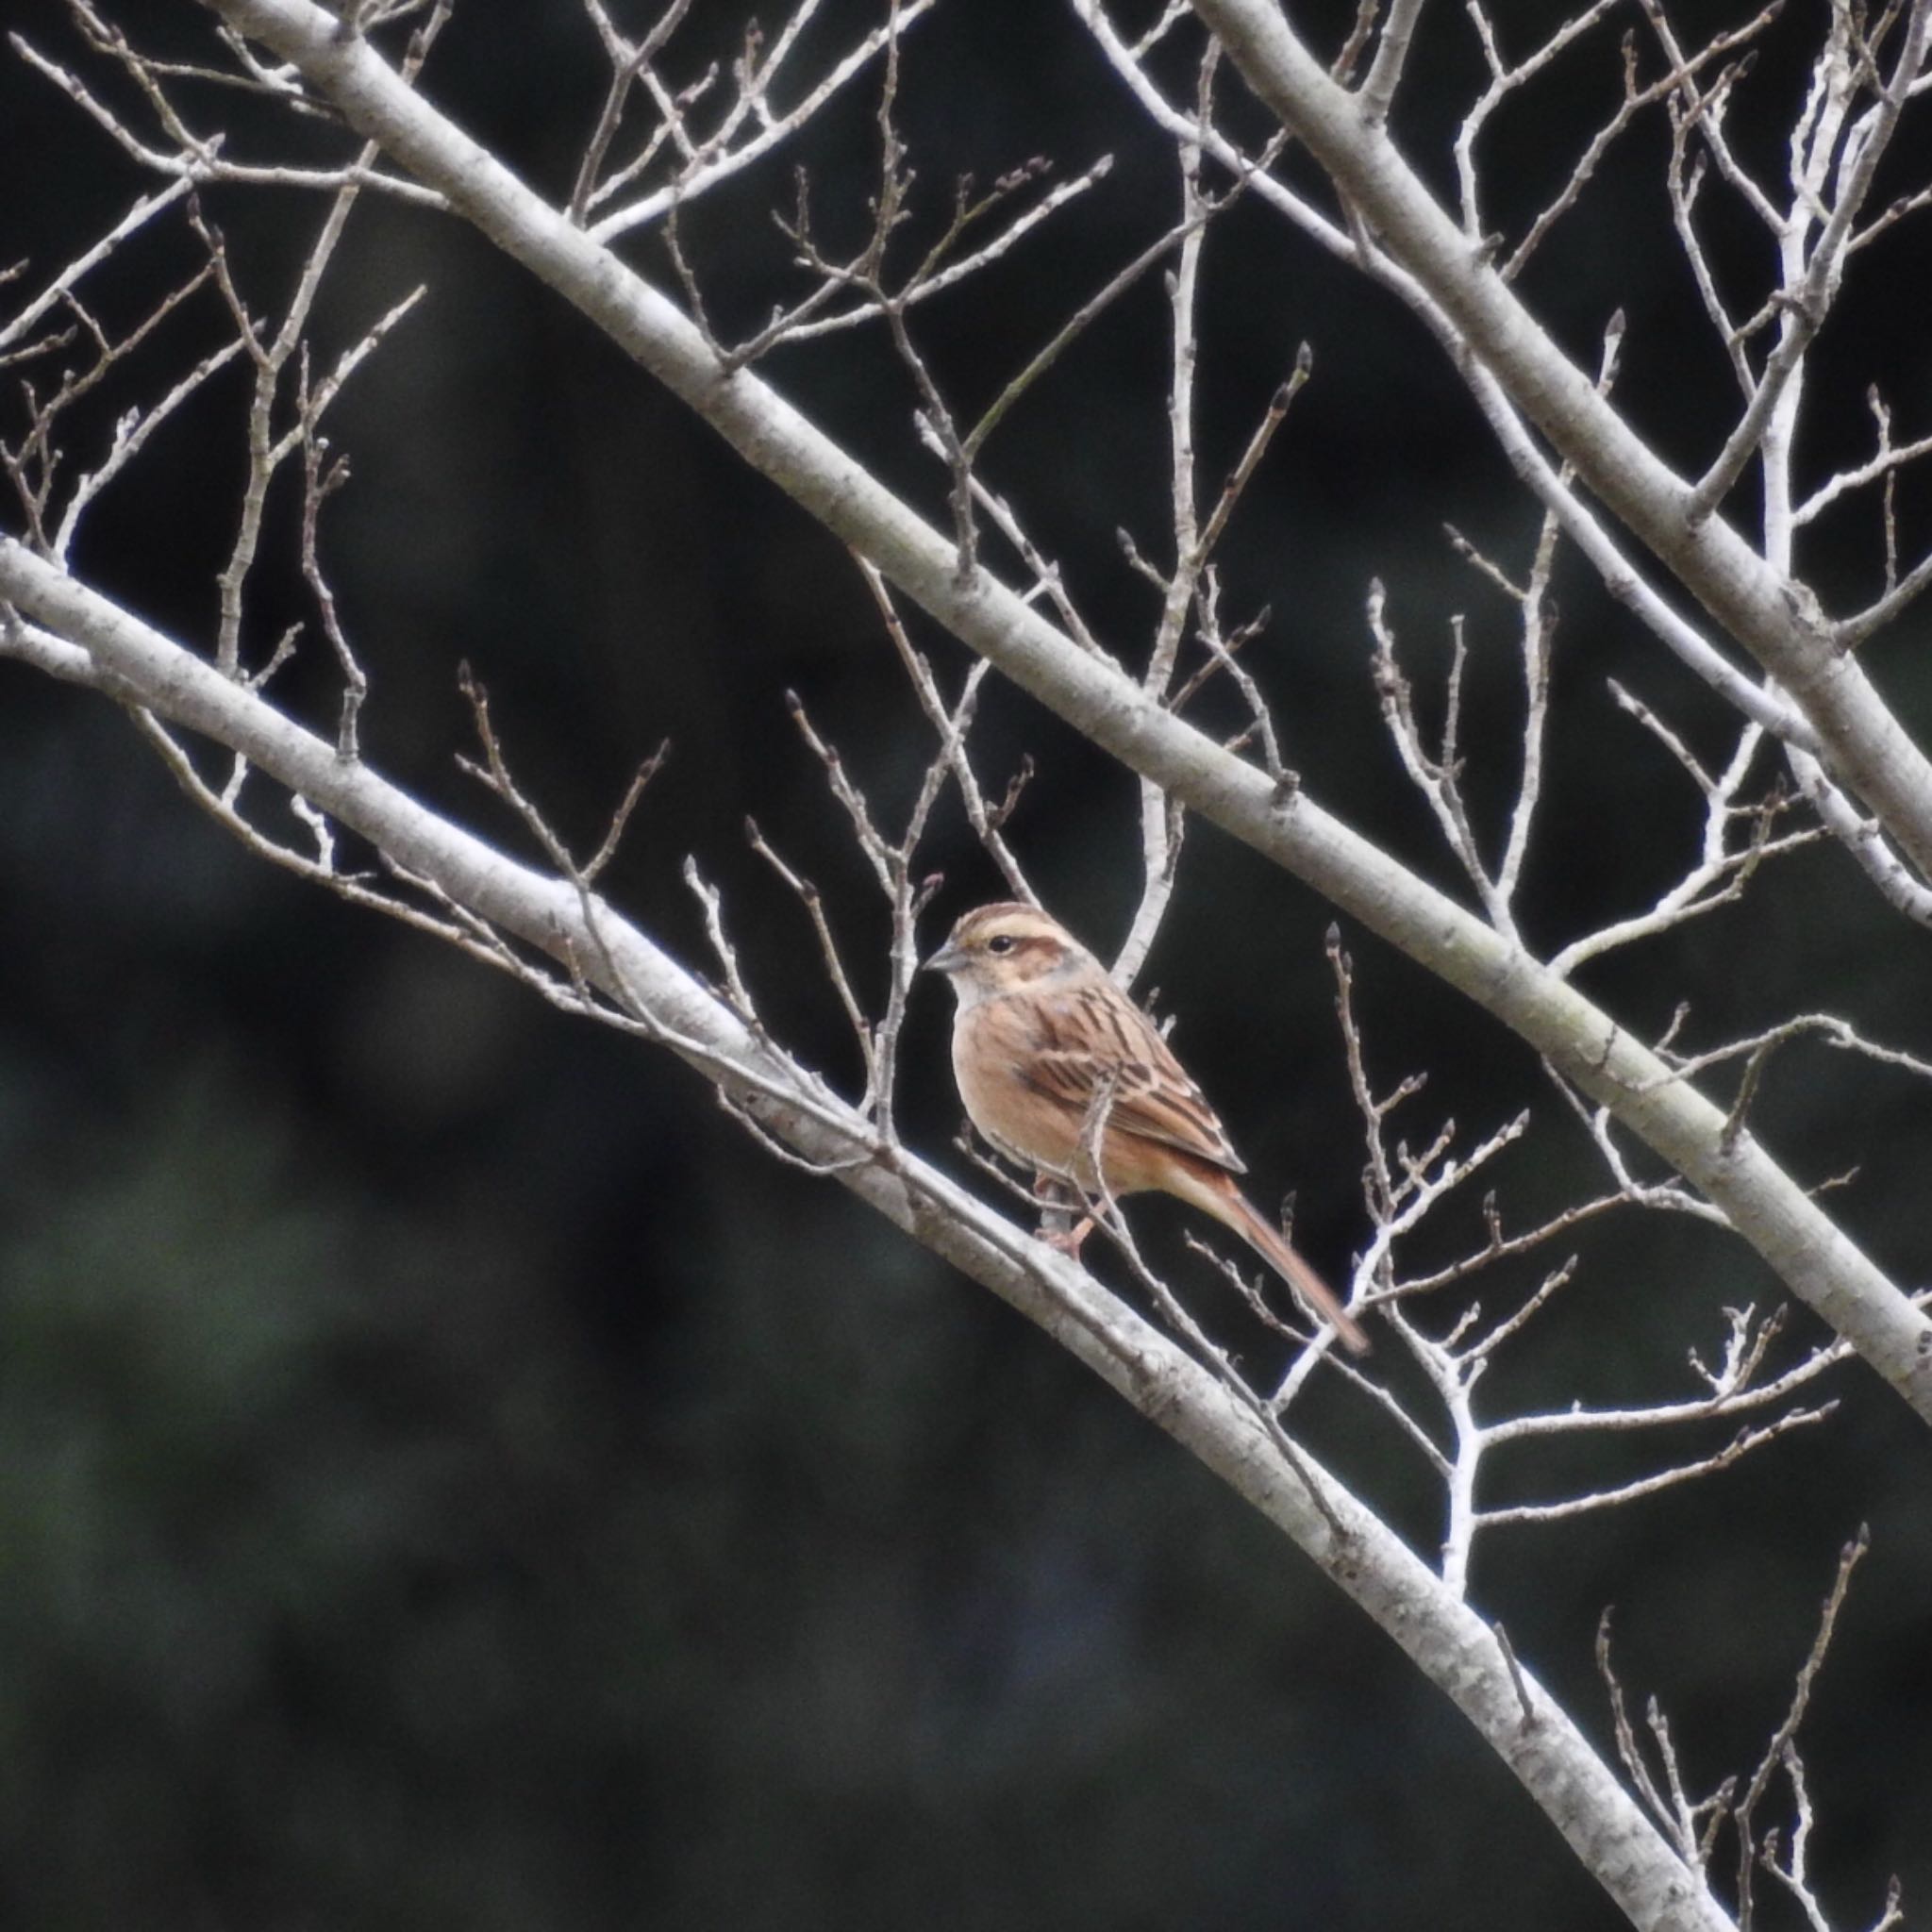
x=1765 y=1205
x=92 y=642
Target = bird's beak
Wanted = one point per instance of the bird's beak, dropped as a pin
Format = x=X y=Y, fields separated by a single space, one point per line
x=949 y=958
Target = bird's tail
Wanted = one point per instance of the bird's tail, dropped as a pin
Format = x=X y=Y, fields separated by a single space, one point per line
x=1267 y=1240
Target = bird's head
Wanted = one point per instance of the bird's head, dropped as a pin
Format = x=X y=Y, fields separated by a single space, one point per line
x=1002 y=948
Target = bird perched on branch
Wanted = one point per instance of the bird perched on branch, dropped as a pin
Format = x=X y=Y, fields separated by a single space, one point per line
x=1057 y=1065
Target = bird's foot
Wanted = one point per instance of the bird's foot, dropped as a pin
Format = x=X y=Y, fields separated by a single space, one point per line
x=1068 y=1241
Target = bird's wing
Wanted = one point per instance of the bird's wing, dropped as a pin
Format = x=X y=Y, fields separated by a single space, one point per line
x=1095 y=1034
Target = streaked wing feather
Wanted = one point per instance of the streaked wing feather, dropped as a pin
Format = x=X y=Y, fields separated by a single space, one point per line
x=1093 y=1033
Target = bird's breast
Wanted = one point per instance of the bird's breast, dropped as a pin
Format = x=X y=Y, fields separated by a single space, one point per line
x=991 y=1044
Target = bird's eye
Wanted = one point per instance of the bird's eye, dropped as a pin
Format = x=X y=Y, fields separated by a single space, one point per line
x=1000 y=942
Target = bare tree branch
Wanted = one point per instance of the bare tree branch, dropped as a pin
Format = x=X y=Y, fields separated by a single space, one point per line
x=1778 y=1216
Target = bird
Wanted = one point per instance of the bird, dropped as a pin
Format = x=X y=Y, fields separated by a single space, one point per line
x=1052 y=1056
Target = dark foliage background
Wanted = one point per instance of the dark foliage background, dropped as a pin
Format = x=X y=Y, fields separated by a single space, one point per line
x=449 y=1476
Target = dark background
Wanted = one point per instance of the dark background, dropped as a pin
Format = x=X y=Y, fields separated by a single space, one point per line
x=448 y=1475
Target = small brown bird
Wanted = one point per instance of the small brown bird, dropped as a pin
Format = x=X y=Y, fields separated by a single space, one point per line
x=1045 y=1040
